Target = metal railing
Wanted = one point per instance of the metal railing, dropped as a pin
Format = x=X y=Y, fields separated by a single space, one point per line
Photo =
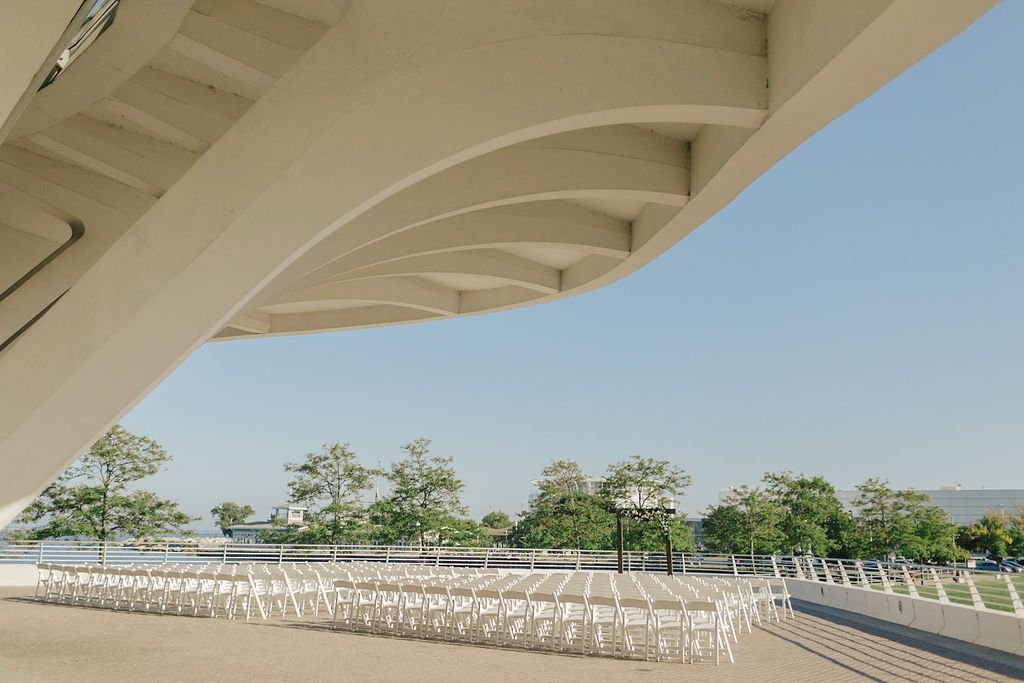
x=941 y=583
x=198 y=552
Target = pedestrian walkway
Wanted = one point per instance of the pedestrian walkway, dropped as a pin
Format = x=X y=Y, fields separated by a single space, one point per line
x=43 y=642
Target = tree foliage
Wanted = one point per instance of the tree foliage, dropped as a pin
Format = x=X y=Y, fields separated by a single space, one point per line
x=331 y=484
x=228 y=514
x=997 y=534
x=812 y=519
x=564 y=514
x=93 y=498
x=899 y=522
x=496 y=519
x=642 y=536
x=749 y=520
x=642 y=489
x=424 y=500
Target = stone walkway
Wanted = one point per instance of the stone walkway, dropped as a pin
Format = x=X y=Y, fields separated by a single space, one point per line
x=40 y=642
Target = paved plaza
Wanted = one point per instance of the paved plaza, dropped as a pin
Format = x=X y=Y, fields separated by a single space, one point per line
x=40 y=642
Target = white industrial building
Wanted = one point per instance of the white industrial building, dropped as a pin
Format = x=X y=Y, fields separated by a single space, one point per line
x=964 y=506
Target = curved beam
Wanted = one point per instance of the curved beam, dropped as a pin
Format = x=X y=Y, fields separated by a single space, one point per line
x=285 y=324
x=515 y=175
x=486 y=229
x=410 y=292
x=489 y=263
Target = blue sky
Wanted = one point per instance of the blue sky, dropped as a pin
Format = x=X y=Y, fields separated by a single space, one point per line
x=857 y=312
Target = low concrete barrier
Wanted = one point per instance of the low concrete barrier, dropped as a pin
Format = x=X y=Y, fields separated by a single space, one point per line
x=928 y=616
x=18 y=575
x=1001 y=631
x=961 y=623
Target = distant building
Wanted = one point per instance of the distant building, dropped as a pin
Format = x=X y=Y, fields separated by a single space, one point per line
x=285 y=514
x=964 y=506
x=696 y=524
x=499 y=537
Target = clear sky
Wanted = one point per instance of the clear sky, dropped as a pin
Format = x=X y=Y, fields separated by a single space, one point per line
x=857 y=312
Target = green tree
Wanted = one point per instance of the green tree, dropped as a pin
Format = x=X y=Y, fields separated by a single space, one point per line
x=889 y=521
x=749 y=520
x=642 y=489
x=1017 y=531
x=932 y=537
x=993 y=535
x=92 y=498
x=645 y=537
x=463 y=533
x=564 y=514
x=331 y=484
x=424 y=498
x=496 y=519
x=811 y=518
x=229 y=514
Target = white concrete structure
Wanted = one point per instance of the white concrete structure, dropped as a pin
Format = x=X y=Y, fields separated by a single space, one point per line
x=284 y=514
x=999 y=630
x=964 y=506
x=222 y=169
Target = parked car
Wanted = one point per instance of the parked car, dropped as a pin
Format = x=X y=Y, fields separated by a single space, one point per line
x=1011 y=566
x=986 y=566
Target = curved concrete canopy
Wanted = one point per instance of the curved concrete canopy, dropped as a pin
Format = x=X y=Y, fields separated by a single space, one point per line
x=246 y=168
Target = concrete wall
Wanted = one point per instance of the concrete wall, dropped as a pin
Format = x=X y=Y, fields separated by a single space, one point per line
x=18 y=575
x=989 y=628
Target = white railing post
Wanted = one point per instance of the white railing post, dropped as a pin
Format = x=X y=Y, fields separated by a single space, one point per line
x=775 y=568
x=884 y=573
x=975 y=595
x=828 y=572
x=1018 y=606
x=280 y=555
x=862 y=576
x=224 y=555
x=39 y=557
x=533 y=559
x=167 y=551
x=735 y=569
x=843 y=574
x=911 y=588
x=939 y=588
x=682 y=562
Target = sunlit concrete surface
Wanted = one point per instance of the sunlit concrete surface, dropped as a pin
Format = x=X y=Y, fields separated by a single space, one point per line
x=45 y=642
x=226 y=169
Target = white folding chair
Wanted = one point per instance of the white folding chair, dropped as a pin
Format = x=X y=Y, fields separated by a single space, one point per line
x=705 y=620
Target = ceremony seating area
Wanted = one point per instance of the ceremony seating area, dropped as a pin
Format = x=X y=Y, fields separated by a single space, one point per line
x=638 y=615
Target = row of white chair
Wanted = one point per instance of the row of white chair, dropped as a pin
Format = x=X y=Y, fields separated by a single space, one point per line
x=633 y=616
x=227 y=590
x=638 y=615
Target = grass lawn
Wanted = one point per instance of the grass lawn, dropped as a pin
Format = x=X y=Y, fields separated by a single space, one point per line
x=993 y=592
